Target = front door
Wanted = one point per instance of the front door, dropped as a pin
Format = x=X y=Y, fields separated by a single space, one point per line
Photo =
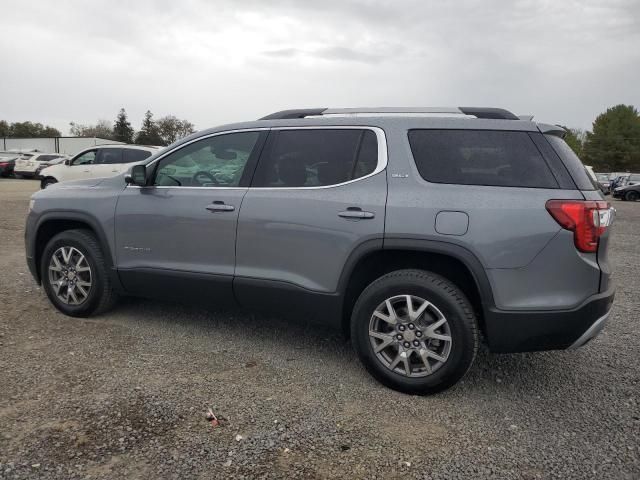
x=176 y=236
x=82 y=166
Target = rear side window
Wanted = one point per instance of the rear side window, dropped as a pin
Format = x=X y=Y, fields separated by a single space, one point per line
x=130 y=155
x=109 y=156
x=572 y=162
x=480 y=157
x=316 y=157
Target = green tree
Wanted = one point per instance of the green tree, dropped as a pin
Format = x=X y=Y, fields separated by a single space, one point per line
x=149 y=133
x=5 y=129
x=122 y=130
x=614 y=144
x=31 y=129
x=575 y=139
x=102 y=129
x=172 y=128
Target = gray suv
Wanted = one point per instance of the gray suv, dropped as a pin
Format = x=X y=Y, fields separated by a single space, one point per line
x=413 y=230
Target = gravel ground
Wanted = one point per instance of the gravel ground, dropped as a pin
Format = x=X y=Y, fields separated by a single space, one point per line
x=125 y=394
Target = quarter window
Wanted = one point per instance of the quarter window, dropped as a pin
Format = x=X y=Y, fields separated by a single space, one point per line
x=316 y=157
x=480 y=157
x=217 y=161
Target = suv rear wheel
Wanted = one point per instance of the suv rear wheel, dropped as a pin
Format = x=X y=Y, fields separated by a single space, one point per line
x=74 y=275
x=414 y=331
x=632 y=196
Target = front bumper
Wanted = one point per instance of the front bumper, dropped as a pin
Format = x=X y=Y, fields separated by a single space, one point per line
x=527 y=331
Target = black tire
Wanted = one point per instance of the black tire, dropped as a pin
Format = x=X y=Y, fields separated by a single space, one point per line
x=47 y=181
x=632 y=196
x=446 y=297
x=101 y=295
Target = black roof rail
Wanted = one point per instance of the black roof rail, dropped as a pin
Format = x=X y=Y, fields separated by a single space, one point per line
x=478 y=112
x=296 y=113
x=495 y=113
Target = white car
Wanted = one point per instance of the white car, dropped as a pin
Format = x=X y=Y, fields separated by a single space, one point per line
x=96 y=162
x=29 y=164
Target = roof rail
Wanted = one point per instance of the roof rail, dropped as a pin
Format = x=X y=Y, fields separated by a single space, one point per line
x=494 y=113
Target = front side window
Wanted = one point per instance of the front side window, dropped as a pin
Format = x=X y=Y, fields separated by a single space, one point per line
x=86 y=158
x=217 y=161
x=109 y=156
x=316 y=157
x=480 y=157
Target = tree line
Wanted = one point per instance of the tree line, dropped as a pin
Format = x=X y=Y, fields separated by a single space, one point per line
x=613 y=144
x=162 y=131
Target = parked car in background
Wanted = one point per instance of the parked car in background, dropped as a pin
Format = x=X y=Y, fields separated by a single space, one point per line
x=49 y=163
x=633 y=179
x=28 y=165
x=628 y=192
x=619 y=181
x=96 y=162
x=7 y=163
x=604 y=183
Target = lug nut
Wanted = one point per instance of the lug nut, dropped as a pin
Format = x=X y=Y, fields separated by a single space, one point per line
x=399 y=337
x=418 y=333
x=402 y=328
x=411 y=326
x=416 y=343
x=407 y=344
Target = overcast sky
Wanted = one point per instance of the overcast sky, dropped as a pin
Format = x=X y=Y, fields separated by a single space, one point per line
x=216 y=62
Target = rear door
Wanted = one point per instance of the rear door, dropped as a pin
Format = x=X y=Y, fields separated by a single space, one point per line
x=316 y=196
x=108 y=162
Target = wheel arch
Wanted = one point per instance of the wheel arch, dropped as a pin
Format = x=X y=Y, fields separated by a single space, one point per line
x=456 y=263
x=53 y=223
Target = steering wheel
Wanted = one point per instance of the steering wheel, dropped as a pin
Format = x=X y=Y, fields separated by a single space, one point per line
x=196 y=177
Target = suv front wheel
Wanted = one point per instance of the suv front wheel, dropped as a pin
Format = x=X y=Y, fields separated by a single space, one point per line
x=74 y=275
x=414 y=331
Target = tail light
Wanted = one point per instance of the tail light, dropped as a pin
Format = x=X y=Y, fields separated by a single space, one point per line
x=4 y=164
x=587 y=219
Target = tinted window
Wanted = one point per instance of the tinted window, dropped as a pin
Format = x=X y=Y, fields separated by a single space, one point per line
x=215 y=161
x=130 y=155
x=477 y=157
x=312 y=158
x=46 y=158
x=86 y=158
x=109 y=156
x=572 y=162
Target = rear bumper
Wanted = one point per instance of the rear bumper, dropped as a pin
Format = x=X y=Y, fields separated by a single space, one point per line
x=515 y=331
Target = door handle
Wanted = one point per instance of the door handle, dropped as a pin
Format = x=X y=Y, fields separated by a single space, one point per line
x=356 y=213
x=220 y=206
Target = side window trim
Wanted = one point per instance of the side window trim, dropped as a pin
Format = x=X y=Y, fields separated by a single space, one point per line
x=382 y=153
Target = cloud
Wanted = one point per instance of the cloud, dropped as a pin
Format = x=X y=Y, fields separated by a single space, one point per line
x=223 y=61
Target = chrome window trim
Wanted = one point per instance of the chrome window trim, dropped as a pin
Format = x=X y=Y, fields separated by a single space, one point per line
x=380 y=167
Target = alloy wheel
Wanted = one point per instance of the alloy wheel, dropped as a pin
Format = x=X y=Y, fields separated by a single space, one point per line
x=410 y=336
x=70 y=275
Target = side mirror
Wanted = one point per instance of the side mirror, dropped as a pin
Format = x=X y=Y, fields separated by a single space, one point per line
x=137 y=176
x=67 y=162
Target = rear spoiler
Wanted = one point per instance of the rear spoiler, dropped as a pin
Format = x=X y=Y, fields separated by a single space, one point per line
x=556 y=130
